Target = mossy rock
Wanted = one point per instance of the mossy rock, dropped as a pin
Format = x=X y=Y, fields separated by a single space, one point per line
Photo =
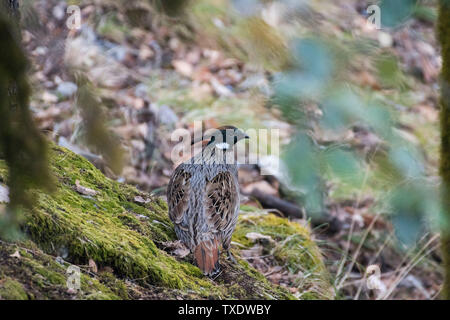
x=123 y=231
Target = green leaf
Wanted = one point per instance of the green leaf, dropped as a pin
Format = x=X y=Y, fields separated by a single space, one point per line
x=396 y=12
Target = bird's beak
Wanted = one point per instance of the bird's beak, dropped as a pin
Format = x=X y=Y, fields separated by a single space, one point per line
x=242 y=135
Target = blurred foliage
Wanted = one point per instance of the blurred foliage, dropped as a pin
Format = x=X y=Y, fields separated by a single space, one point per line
x=21 y=144
x=240 y=33
x=395 y=13
x=313 y=93
x=93 y=130
x=389 y=72
x=172 y=8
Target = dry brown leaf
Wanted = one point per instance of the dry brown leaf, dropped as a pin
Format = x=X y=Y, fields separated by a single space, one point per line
x=176 y=248
x=93 y=266
x=202 y=74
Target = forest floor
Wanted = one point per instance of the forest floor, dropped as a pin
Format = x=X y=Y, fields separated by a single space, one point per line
x=156 y=76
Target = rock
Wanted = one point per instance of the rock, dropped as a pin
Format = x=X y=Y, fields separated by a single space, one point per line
x=4 y=194
x=84 y=190
x=141 y=91
x=59 y=10
x=385 y=39
x=167 y=116
x=67 y=89
x=60 y=260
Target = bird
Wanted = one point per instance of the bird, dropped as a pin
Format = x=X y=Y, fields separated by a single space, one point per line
x=203 y=199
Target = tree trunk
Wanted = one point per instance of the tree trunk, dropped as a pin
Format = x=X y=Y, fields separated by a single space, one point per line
x=444 y=38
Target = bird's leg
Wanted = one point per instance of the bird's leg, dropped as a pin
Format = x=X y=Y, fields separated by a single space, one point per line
x=231 y=257
x=230 y=254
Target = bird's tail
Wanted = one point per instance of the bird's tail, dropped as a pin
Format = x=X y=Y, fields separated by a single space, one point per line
x=206 y=256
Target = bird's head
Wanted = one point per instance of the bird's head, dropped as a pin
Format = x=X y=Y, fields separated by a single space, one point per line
x=223 y=137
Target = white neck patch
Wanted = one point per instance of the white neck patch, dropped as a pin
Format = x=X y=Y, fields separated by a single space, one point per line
x=223 y=146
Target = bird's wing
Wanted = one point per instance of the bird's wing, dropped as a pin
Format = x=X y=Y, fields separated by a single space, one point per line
x=221 y=200
x=178 y=194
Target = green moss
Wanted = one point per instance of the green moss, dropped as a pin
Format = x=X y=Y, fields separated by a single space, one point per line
x=293 y=248
x=297 y=249
x=12 y=290
x=44 y=278
x=118 y=286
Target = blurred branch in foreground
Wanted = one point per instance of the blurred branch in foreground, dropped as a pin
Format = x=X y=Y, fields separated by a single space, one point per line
x=21 y=144
x=92 y=129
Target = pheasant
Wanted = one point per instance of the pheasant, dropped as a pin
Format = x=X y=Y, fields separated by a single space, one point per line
x=203 y=199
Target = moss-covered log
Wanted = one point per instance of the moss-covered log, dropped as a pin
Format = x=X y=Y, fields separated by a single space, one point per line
x=124 y=232
x=444 y=38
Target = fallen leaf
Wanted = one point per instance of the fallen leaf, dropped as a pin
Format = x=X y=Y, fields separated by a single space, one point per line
x=84 y=190
x=140 y=200
x=93 y=266
x=176 y=248
x=4 y=194
x=181 y=252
